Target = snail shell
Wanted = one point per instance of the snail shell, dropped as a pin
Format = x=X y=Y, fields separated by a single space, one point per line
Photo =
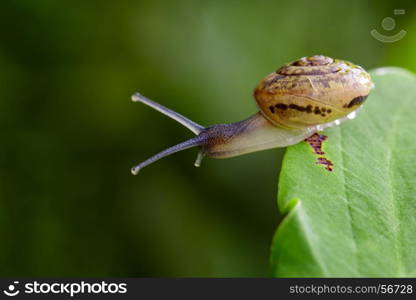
x=312 y=90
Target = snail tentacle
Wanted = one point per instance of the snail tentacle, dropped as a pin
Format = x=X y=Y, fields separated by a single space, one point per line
x=194 y=142
x=191 y=125
x=199 y=159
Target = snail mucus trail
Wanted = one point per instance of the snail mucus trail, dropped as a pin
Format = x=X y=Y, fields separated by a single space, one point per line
x=299 y=99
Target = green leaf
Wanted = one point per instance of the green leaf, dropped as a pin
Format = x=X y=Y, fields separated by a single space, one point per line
x=360 y=219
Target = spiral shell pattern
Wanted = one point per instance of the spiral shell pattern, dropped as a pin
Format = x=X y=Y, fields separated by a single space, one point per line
x=312 y=90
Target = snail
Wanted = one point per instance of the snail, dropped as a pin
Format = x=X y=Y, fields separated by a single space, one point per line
x=299 y=99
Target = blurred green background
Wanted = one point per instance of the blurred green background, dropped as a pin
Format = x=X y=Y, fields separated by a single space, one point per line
x=70 y=134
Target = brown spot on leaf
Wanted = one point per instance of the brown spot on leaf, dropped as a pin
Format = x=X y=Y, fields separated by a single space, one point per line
x=316 y=142
x=326 y=162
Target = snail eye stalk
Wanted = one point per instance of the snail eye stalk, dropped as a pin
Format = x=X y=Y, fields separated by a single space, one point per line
x=199 y=159
x=191 y=125
x=194 y=142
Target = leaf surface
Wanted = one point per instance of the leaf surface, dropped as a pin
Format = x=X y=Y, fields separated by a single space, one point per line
x=360 y=219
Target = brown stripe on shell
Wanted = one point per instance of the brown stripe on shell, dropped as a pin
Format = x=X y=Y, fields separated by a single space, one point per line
x=315 y=60
x=275 y=79
x=308 y=108
x=299 y=71
x=312 y=65
x=356 y=101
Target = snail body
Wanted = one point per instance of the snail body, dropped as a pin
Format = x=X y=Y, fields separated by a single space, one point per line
x=299 y=99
